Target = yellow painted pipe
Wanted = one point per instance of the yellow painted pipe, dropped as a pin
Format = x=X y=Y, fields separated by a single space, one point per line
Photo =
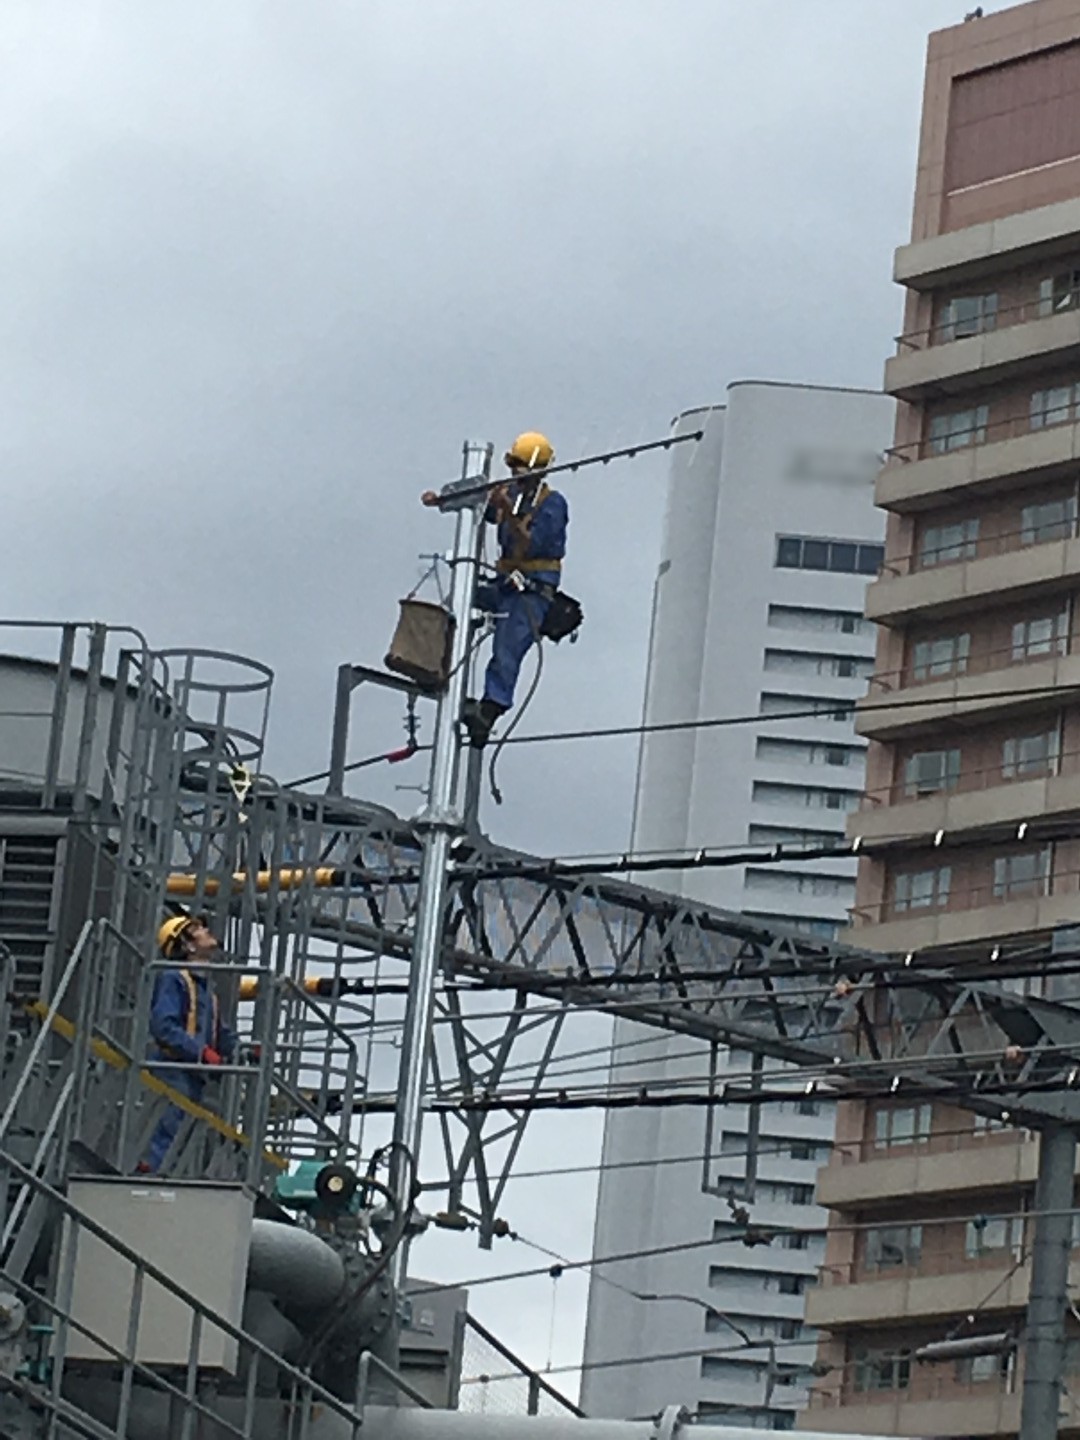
x=289 y=878
x=313 y=985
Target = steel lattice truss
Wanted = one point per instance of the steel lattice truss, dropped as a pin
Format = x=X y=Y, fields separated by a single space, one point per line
x=858 y=1022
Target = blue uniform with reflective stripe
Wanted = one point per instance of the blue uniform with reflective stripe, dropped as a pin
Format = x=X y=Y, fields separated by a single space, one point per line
x=521 y=613
x=182 y=1034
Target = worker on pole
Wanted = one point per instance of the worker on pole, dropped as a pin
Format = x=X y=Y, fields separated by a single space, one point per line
x=185 y=1022
x=532 y=520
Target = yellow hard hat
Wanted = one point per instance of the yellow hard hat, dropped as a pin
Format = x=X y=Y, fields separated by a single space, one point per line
x=170 y=932
x=533 y=450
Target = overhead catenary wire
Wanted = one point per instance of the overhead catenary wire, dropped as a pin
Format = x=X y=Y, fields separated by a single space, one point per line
x=820 y=710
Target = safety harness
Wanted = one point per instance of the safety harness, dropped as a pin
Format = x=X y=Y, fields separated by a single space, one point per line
x=519 y=542
x=192 y=1023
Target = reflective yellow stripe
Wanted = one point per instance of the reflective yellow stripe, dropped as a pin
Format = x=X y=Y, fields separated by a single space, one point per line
x=192 y=1001
x=103 y=1051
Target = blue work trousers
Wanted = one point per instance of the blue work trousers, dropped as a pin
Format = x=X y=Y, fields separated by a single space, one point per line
x=519 y=615
x=189 y=1083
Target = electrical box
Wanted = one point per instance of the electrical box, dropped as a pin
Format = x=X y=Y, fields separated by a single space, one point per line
x=198 y=1233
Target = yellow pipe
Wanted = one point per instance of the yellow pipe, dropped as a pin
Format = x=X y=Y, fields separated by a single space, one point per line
x=289 y=878
x=249 y=986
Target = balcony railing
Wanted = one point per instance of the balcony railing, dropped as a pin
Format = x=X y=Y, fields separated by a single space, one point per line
x=981 y=548
x=929 y=1265
x=937 y=1142
x=968 y=782
x=1009 y=429
x=1002 y=657
x=925 y=1383
x=945 y=332
x=969 y=897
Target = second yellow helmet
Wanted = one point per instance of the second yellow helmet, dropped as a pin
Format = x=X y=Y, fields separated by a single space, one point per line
x=532 y=450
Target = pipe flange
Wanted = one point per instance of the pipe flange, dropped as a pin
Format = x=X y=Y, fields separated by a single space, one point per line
x=671 y=1422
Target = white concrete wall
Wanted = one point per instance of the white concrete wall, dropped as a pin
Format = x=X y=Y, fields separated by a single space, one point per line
x=776 y=459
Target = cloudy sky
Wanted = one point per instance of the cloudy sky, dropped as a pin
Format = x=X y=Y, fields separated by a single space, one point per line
x=268 y=264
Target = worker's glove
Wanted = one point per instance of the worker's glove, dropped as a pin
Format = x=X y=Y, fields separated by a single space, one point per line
x=249 y=1054
x=210 y=1056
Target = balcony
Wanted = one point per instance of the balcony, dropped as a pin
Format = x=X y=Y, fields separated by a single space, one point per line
x=934 y=1288
x=934 y=1404
x=1004 y=456
x=979 y=799
x=1013 y=566
x=863 y=1176
x=987 y=249
x=1024 y=339
x=990 y=685
x=986 y=912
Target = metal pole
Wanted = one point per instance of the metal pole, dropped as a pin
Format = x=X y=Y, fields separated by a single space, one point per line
x=440 y=821
x=1044 y=1336
x=339 y=740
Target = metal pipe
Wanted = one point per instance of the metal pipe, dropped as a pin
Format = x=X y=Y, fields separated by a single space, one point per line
x=1044 y=1331
x=404 y=1423
x=294 y=1266
x=440 y=820
x=339 y=739
x=285 y=878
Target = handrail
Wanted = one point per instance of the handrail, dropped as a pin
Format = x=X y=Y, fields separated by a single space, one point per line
x=981 y=547
x=983 y=662
x=972 y=782
x=1039 y=308
x=48 y=1013
x=149 y=1270
x=1011 y=427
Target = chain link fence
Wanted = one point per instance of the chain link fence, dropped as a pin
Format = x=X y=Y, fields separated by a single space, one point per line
x=494 y=1381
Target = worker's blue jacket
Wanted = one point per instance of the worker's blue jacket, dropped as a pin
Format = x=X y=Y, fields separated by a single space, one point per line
x=181 y=1033
x=542 y=539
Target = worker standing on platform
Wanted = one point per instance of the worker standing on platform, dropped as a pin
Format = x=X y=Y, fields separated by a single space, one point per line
x=185 y=1021
x=532 y=522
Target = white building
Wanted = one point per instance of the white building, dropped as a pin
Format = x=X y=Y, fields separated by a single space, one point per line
x=770 y=538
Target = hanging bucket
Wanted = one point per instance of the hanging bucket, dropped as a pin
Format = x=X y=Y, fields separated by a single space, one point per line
x=420 y=648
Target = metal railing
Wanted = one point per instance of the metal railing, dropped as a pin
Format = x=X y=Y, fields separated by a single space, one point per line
x=495 y=1381
x=981 y=662
x=45 y=1387
x=972 y=896
x=981 y=547
x=969 y=782
x=1009 y=428
x=945 y=332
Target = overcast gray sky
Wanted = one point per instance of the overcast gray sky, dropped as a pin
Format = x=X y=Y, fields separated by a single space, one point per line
x=268 y=264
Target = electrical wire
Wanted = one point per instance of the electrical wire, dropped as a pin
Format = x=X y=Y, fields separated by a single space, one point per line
x=505 y=739
x=826 y=709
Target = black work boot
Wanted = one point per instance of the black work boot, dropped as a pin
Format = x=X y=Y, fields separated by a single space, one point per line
x=479 y=718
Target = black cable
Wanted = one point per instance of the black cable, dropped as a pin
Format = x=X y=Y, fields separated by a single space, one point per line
x=837 y=709
x=496 y=793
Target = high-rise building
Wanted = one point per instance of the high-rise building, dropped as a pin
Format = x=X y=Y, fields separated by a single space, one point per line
x=770 y=538
x=973 y=714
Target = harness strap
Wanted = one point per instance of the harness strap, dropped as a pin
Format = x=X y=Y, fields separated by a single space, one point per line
x=191 y=1024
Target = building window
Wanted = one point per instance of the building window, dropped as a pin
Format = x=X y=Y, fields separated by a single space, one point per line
x=807 y=1106
x=1059 y=292
x=881 y=1369
x=892 y=1247
x=975 y=1369
x=958 y=429
x=928 y=771
x=768 y=792
x=812 y=662
x=1029 y=754
x=1024 y=874
x=944 y=544
x=947 y=655
x=805 y=706
x=796 y=1241
x=1045 y=635
x=991 y=1234
x=798 y=882
x=806 y=752
x=828 y=622
x=791 y=1284
x=922 y=889
x=902 y=1125
x=850 y=557
x=790 y=835
x=966 y=315
x=1048 y=520
x=1054 y=406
